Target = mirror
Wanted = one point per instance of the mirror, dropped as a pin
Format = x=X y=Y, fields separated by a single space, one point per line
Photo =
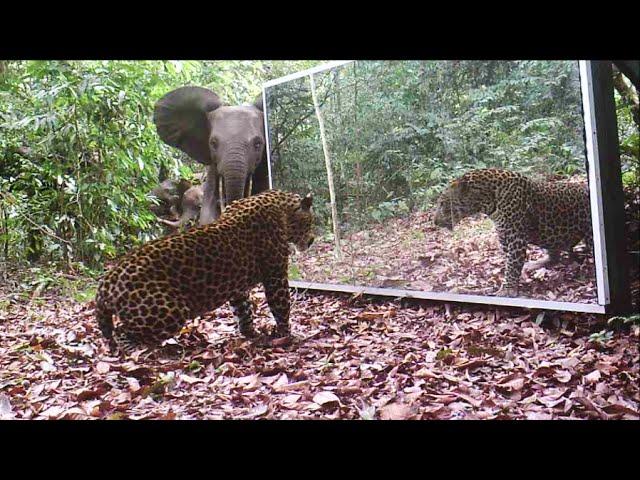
x=396 y=151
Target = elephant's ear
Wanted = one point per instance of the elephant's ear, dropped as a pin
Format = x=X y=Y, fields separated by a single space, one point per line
x=259 y=103
x=262 y=169
x=181 y=119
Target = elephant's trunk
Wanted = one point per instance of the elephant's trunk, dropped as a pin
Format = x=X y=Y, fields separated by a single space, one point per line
x=235 y=178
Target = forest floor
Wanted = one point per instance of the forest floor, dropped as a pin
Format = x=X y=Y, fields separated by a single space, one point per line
x=412 y=253
x=352 y=357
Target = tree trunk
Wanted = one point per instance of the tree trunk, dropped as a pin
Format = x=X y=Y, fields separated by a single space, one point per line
x=628 y=94
x=327 y=160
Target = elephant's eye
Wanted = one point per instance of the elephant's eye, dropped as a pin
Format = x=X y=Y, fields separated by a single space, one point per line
x=257 y=143
x=214 y=143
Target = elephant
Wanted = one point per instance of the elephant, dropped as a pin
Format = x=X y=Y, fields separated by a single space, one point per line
x=169 y=195
x=190 y=206
x=179 y=202
x=229 y=140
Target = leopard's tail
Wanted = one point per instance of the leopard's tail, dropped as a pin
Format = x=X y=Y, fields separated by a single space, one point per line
x=104 y=316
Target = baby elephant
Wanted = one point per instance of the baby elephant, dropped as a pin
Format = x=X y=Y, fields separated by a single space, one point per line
x=168 y=196
x=190 y=205
x=179 y=203
x=553 y=215
x=154 y=289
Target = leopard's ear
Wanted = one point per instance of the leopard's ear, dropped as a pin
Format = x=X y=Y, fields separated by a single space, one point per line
x=460 y=186
x=306 y=202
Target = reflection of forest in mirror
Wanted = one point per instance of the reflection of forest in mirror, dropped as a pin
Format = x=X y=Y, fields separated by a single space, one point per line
x=397 y=134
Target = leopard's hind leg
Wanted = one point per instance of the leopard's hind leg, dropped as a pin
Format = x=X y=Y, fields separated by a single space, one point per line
x=157 y=316
x=243 y=313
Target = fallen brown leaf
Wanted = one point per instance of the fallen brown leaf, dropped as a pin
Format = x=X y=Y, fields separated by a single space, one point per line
x=325 y=398
x=593 y=377
x=102 y=367
x=563 y=376
x=396 y=411
x=6 y=412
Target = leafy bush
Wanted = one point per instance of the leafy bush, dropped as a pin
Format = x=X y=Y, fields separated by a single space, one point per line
x=79 y=151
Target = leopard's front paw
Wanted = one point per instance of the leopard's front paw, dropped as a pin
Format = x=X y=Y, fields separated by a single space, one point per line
x=249 y=332
x=280 y=331
x=506 y=291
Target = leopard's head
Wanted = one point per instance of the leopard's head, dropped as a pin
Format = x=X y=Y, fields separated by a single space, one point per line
x=462 y=198
x=301 y=224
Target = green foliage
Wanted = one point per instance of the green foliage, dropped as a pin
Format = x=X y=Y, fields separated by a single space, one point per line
x=389 y=209
x=630 y=320
x=601 y=337
x=84 y=294
x=46 y=277
x=399 y=131
x=630 y=178
x=195 y=366
x=294 y=272
x=629 y=135
x=79 y=151
x=444 y=354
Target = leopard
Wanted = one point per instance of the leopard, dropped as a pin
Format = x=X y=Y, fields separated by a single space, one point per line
x=552 y=214
x=150 y=293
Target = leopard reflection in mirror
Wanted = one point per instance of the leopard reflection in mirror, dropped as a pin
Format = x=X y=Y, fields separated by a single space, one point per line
x=553 y=215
